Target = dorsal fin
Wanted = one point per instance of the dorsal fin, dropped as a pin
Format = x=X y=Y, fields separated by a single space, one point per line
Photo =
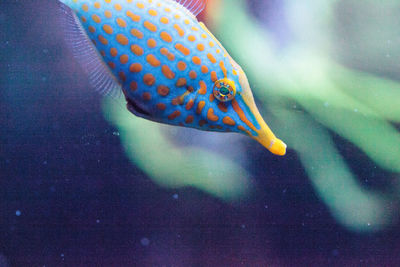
x=194 y=6
x=100 y=77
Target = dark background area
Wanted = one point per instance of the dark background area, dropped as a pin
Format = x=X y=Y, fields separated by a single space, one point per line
x=70 y=197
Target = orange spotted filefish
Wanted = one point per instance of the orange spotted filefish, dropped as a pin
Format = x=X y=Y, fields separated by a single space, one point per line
x=169 y=66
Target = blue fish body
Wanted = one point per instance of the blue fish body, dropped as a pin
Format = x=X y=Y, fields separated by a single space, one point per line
x=170 y=68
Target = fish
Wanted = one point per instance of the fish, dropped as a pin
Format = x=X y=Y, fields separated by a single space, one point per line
x=168 y=65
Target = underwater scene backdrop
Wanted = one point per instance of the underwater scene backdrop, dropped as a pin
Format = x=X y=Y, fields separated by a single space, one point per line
x=83 y=182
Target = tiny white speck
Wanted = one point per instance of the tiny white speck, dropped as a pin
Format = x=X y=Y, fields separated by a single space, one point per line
x=97 y=221
x=326 y=104
x=116 y=133
x=243 y=226
x=18 y=212
x=355 y=110
x=62 y=255
x=266 y=206
x=175 y=196
x=368 y=224
x=145 y=241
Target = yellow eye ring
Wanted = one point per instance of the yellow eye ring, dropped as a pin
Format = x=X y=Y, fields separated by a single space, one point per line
x=224 y=90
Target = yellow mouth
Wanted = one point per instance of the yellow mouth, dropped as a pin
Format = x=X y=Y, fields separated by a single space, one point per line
x=267 y=138
x=264 y=135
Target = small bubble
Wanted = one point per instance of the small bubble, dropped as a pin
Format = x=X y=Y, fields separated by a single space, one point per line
x=45 y=162
x=326 y=104
x=62 y=255
x=97 y=221
x=355 y=110
x=266 y=206
x=116 y=133
x=369 y=224
x=18 y=212
x=243 y=226
x=145 y=241
x=175 y=196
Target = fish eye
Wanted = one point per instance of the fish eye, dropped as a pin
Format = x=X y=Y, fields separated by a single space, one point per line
x=224 y=90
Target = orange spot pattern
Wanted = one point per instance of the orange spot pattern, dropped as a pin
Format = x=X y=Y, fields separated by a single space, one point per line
x=200 y=107
x=222 y=106
x=228 y=121
x=108 y=14
x=196 y=60
x=85 y=7
x=152 y=60
x=184 y=50
x=181 y=82
x=164 y=51
x=166 y=37
x=138 y=34
x=241 y=114
x=163 y=90
x=121 y=22
x=133 y=16
x=149 y=79
x=118 y=7
x=150 y=26
x=203 y=88
x=211 y=58
x=133 y=86
x=136 y=67
x=124 y=59
x=164 y=20
x=161 y=106
x=151 y=43
x=146 y=96
x=181 y=65
x=211 y=116
x=214 y=76
x=96 y=18
x=200 y=47
x=103 y=40
x=180 y=31
x=193 y=74
x=107 y=28
x=122 y=39
x=190 y=104
x=152 y=12
x=189 y=119
x=174 y=115
x=113 y=52
x=167 y=72
x=137 y=50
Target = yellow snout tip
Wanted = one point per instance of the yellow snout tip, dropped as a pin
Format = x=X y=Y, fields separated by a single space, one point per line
x=277 y=147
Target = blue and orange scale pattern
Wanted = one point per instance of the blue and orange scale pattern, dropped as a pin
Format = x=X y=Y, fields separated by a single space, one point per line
x=166 y=61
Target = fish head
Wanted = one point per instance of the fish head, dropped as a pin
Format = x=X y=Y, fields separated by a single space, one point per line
x=233 y=103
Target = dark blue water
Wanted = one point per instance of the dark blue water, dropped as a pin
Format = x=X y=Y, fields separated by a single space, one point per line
x=69 y=196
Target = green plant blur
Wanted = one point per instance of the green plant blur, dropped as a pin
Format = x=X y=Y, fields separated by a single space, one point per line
x=301 y=87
